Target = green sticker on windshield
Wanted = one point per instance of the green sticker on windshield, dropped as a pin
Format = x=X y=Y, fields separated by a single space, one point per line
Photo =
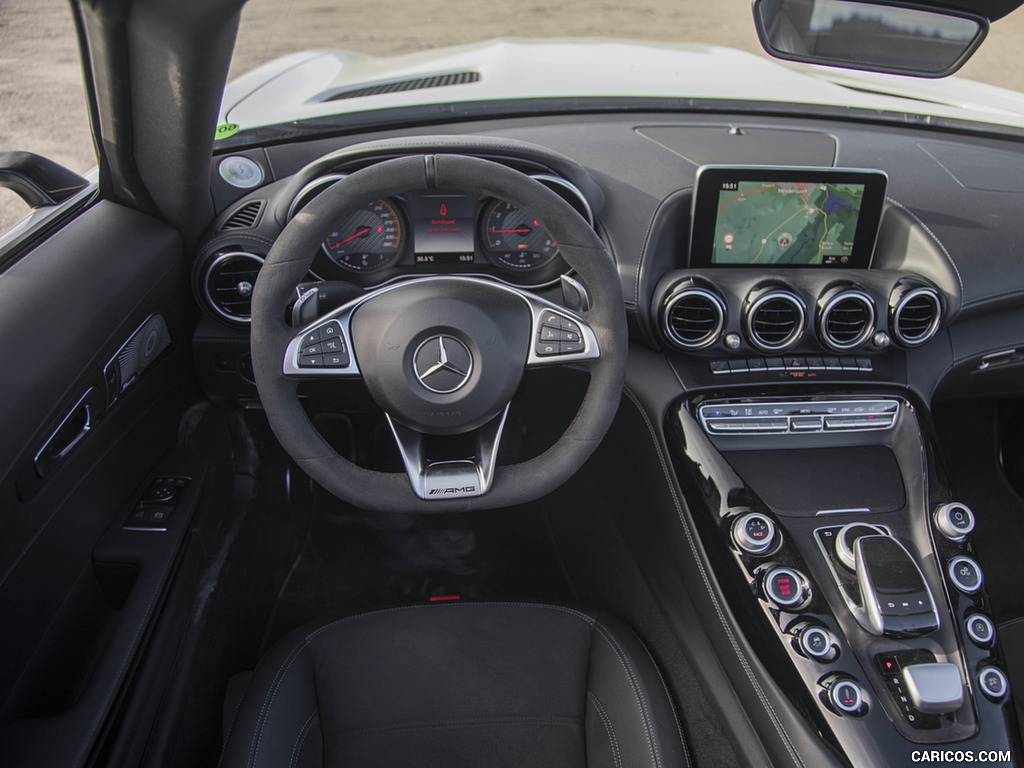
x=226 y=129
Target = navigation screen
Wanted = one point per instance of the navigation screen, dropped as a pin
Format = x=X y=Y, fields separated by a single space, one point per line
x=788 y=222
x=780 y=218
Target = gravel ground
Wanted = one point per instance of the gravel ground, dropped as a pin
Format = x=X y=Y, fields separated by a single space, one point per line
x=42 y=108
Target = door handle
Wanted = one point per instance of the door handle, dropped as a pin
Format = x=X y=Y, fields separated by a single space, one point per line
x=72 y=430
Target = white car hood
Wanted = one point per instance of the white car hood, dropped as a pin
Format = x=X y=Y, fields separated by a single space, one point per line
x=302 y=85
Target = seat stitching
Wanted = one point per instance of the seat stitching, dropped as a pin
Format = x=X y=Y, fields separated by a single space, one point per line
x=286 y=665
x=1011 y=622
x=634 y=682
x=675 y=715
x=268 y=701
x=300 y=740
x=609 y=729
x=733 y=642
x=471 y=722
x=234 y=717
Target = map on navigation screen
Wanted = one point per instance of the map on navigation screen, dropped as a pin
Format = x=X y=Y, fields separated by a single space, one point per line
x=786 y=223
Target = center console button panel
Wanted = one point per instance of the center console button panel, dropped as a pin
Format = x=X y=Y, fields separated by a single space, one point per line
x=797 y=416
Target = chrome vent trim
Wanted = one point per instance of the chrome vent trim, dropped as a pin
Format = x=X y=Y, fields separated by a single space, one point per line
x=413 y=84
x=245 y=216
x=847 y=320
x=775 y=320
x=693 y=318
x=916 y=316
x=227 y=284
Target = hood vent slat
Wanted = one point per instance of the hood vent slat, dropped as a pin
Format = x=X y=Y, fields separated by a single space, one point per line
x=399 y=86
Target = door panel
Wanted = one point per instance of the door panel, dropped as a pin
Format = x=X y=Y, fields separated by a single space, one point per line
x=73 y=625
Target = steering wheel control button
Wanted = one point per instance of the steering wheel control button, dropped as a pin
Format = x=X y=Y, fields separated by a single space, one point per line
x=847 y=538
x=965 y=574
x=980 y=629
x=845 y=696
x=954 y=521
x=935 y=688
x=784 y=587
x=993 y=683
x=558 y=335
x=754 y=533
x=311 y=361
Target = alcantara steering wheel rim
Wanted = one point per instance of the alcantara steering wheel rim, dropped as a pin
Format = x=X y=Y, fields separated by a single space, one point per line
x=289 y=260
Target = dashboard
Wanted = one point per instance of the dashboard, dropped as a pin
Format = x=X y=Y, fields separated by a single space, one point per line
x=808 y=288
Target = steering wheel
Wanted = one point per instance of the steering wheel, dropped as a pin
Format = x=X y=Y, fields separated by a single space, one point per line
x=440 y=355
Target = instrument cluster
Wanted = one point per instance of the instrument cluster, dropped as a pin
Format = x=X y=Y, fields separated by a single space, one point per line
x=440 y=231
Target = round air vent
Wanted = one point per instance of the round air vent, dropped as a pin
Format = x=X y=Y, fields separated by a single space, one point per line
x=693 y=317
x=775 y=319
x=915 y=314
x=227 y=284
x=846 y=318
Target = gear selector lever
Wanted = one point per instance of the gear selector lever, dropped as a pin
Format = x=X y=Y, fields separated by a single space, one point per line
x=895 y=598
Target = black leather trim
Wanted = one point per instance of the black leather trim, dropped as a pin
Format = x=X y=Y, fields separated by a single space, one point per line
x=458 y=684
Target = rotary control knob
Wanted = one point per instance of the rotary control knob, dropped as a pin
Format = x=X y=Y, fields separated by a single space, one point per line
x=966 y=575
x=754 y=533
x=847 y=538
x=993 y=683
x=845 y=695
x=785 y=587
x=815 y=642
x=954 y=521
x=980 y=629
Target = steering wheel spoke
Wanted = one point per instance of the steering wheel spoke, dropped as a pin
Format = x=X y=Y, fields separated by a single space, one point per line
x=453 y=478
x=322 y=349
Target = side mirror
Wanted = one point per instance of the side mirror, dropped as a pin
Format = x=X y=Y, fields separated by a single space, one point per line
x=892 y=37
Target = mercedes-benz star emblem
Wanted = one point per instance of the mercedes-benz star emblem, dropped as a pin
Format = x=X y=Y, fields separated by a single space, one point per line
x=442 y=364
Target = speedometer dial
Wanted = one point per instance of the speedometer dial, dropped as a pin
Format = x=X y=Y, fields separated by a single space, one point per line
x=367 y=238
x=515 y=240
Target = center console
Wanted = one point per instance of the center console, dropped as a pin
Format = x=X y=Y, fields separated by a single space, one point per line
x=833 y=535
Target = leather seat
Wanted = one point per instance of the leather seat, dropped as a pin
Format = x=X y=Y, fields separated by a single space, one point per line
x=458 y=684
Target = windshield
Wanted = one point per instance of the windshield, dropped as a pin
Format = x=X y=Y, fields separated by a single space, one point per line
x=273 y=28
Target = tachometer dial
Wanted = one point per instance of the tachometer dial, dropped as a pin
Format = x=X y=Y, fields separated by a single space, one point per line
x=367 y=238
x=515 y=240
